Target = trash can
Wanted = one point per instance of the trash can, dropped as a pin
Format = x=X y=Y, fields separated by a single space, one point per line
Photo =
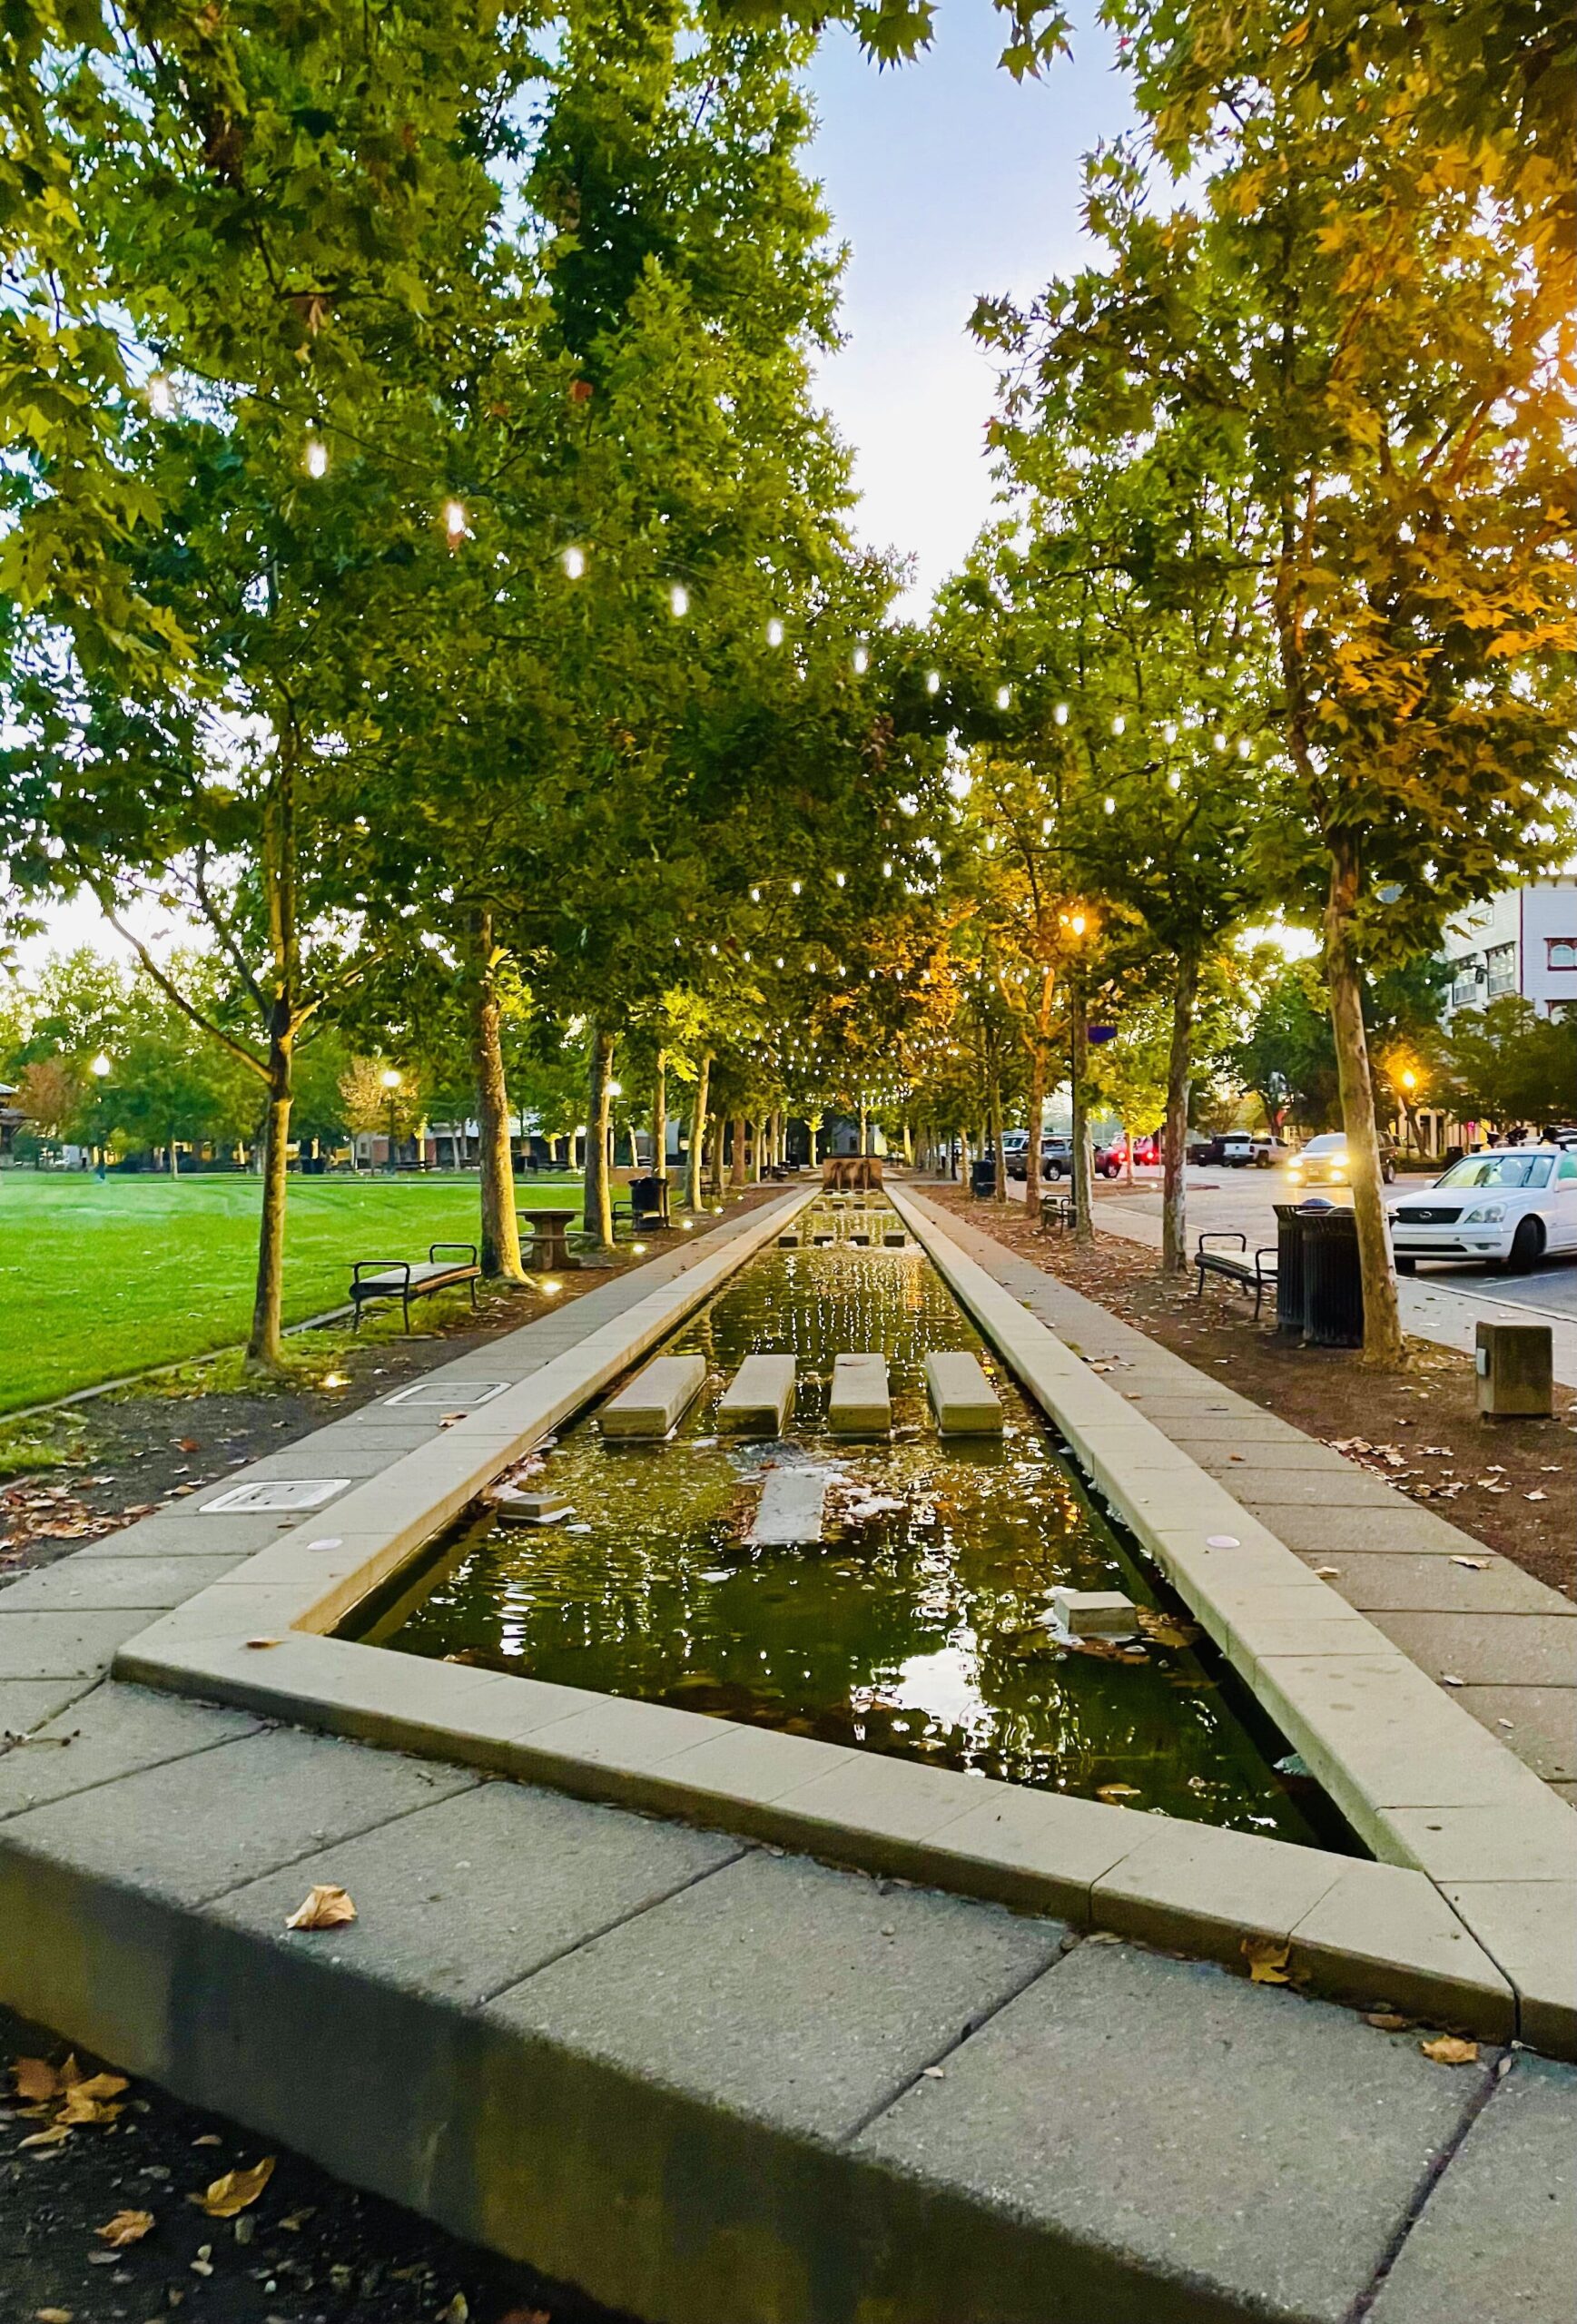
x=1333 y=1287
x=1289 y=1292
x=983 y=1177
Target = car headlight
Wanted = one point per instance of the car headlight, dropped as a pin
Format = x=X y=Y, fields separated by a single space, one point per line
x=1489 y=1214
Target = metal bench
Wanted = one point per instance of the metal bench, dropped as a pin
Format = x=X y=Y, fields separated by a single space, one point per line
x=1058 y=1210
x=1257 y=1277
x=409 y=1279
x=648 y=1205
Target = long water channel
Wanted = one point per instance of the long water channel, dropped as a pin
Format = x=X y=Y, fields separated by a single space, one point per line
x=922 y=1625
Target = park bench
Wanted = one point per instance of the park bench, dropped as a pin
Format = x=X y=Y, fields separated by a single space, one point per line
x=1234 y=1268
x=1058 y=1210
x=409 y=1279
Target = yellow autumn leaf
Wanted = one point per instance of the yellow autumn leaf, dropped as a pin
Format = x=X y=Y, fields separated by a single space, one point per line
x=224 y=2197
x=125 y=2228
x=326 y=1907
x=1448 y=2050
x=34 y=2080
x=54 y=2136
x=1267 y=1957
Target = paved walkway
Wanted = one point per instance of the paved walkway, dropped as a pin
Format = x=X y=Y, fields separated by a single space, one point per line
x=710 y=2080
x=1444 y=1305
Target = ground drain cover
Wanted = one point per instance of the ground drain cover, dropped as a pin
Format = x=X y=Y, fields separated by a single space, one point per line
x=277 y=1492
x=452 y=1396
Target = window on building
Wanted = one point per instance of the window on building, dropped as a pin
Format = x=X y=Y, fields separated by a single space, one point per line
x=1502 y=961
x=1465 y=983
x=1560 y=951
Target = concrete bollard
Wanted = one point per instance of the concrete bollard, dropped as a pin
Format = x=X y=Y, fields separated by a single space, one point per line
x=1516 y=1371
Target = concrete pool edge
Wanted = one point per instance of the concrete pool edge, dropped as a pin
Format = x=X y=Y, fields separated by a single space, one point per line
x=1356 y=1932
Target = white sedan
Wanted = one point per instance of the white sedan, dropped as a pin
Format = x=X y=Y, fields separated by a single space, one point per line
x=1511 y=1204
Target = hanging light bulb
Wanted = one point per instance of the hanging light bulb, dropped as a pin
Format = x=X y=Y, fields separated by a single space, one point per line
x=455 y=520
x=161 y=396
x=1120 y=725
x=861 y=661
x=1174 y=780
x=775 y=632
x=755 y=895
x=316 y=457
x=1059 y=714
x=794 y=887
x=933 y=682
x=1110 y=804
x=1004 y=696
x=574 y=562
x=840 y=880
x=678 y=600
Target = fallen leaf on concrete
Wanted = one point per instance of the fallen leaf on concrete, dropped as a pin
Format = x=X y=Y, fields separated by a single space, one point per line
x=208 y=2138
x=1448 y=2050
x=1474 y=1565
x=1536 y=1496
x=456 y=2312
x=224 y=2197
x=88 y=2101
x=1326 y=1573
x=125 y=2228
x=52 y=2315
x=1118 y=1791
x=1267 y=1957
x=1387 y=2021
x=1449 y=1679
x=326 y=1907
x=261 y=1642
x=34 y=2080
x=55 y=2134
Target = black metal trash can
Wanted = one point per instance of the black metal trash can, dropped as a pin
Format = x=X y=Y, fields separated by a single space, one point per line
x=983 y=1177
x=1332 y=1283
x=1289 y=1290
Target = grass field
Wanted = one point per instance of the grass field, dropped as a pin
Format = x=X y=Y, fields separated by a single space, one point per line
x=98 y=1280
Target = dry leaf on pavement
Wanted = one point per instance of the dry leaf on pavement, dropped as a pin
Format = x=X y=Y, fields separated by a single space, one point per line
x=222 y=2198
x=327 y=1907
x=1446 y=2049
x=1267 y=1957
x=458 y=2312
x=1474 y=1565
x=51 y=2316
x=1118 y=1791
x=34 y=2080
x=1387 y=2021
x=126 y=2227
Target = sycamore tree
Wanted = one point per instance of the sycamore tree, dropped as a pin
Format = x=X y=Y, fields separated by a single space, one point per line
x=1376 y=290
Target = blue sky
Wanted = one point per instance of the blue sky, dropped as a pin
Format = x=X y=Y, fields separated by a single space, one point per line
x=947 y=180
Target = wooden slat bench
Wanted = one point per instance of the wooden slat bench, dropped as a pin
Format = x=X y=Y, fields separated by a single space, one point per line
x=1058 y=1210
x=1255 y=1277
x=409 y=1279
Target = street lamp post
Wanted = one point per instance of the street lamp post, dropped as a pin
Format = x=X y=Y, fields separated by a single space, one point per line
x=390 y=1080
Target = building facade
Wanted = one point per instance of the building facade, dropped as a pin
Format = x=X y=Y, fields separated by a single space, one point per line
x=1522 y=941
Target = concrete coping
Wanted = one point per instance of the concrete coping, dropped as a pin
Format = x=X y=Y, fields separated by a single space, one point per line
x=1360 y=1932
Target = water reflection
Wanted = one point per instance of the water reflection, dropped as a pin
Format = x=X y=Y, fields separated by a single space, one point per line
x=919 y=1627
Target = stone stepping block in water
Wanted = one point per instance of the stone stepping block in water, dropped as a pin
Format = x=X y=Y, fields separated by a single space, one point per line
x=760 y=1397
x=656 y=1400
x=791 y=1510
x=1095 y=1613
x=860 y=1404
x=962 y=1398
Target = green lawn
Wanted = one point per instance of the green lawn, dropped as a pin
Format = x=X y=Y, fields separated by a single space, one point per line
x=98 y=1280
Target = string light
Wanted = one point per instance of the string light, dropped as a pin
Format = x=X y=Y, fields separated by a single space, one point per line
x=886 y=871
x=775 y=632
x=794 y=887
x=1120 y=725
x=455 y=520
x=316 y=457
x=1059 y=714
x=678 y=601
x=1110 y=804
x=574 y=562
x=1174 y=780
x=933 y=682
x=755 y=895
x=1004 y=696
x=861 y=661
x=840 y=880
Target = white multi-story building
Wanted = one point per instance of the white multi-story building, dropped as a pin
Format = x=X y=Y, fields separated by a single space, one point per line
x=1522 y=941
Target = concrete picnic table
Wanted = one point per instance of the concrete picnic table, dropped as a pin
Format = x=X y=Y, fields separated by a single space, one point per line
x=549 y=1248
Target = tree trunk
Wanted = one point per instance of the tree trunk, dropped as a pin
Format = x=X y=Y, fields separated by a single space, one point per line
x=864 y=1125
x=1000 y=1181
x=1126 y=1156
x=1384 y=1346
x=1175 y=1138
x=598 y=1212
x=714 y=1176
x=694 y=1180
x=1033 y=1151
x=1083 y=1218
x=737 y=1153
x=263 y=1345
x=500 y=1227
x=908 y=1145
x=660 y=1116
